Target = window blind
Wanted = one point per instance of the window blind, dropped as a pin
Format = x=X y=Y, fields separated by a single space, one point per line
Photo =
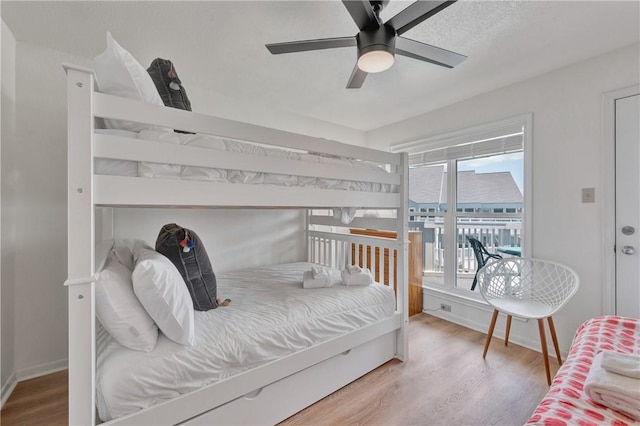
x=500 y=145
x=500 y=137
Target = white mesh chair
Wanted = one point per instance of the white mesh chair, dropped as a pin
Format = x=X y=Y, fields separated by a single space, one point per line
x=527 y=288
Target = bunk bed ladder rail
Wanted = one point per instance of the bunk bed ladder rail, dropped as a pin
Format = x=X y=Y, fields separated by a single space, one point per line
x=81 y=254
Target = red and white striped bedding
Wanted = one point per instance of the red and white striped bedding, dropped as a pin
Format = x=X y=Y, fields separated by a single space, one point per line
x=566 y=403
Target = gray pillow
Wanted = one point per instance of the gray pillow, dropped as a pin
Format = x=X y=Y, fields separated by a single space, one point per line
x=169 y=86
x=185 y=250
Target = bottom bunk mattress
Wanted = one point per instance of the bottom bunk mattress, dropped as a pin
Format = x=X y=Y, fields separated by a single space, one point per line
x=567 y=402
x=270 y=316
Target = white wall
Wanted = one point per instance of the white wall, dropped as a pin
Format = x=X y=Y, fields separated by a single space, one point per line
x=567 y=107
x=218 y=105
x=7 y=234
x=40 y=222
x=234 y=239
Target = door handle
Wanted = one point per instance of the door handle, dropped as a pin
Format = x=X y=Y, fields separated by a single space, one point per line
x=628 y=250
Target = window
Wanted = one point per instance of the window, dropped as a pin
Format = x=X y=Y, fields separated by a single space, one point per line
x=469 y=184
x=486 y=182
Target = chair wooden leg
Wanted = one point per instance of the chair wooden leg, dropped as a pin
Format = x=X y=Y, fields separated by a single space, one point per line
x=490 y=332
x=552 y=329
x=506 y=334
x=545 y=354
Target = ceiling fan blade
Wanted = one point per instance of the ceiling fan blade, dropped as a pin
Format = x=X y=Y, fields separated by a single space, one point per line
x=357 y=78
x=416 y=13
x=426 y=52
x=305 y=45
x=362 y=13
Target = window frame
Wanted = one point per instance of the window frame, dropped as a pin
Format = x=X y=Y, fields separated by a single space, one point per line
x=470 y=135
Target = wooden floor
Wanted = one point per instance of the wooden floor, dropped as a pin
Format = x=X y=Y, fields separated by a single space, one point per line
x=39 y=401
x=445 y=382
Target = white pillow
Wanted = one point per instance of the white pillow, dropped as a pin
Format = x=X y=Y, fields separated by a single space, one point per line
x=137 y=247
x=163 y=293
x=120 y=312
x=122 y=252
x=118 y=73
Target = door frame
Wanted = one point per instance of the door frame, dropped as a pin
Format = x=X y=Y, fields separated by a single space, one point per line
x=609 y=192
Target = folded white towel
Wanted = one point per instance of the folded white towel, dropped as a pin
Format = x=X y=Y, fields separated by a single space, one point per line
x=613 y=390
x=624 y=364
x=329 y=278
x=319 y=272
x=354 y=269
x=354 y=275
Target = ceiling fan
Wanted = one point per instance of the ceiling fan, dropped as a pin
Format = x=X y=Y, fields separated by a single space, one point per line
x=378 y=41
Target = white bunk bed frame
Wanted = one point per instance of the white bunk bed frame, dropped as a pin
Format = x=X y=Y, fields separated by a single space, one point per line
x=271 y=392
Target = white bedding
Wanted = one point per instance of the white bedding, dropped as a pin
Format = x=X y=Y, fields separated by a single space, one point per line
x=270 y=316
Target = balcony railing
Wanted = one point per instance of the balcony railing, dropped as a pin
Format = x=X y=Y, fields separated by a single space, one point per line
x=493 y=233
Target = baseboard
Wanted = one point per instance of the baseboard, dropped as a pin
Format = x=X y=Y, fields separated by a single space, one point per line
x=42 y=369
x=476 y=315
x=534 y=345
x=8 y=387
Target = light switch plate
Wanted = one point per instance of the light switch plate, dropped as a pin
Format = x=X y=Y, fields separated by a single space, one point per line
x=588 y=195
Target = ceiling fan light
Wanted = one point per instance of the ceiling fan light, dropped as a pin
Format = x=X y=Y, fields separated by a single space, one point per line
x=375 y=61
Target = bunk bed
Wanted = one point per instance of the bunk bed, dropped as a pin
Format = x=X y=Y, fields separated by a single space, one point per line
x=273 y=389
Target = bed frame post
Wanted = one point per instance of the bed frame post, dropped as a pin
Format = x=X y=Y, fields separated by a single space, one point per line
x=81 y=246
x=403 y=255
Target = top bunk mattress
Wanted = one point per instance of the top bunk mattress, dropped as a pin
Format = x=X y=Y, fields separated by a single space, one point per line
x=260 y=153
x=270 y=316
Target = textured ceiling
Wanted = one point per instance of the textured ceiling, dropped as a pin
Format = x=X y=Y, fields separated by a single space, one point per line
x=220 y=46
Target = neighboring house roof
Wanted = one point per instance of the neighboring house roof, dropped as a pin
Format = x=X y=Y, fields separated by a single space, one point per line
x=425 y=184
x=428 y=185
x=487 y=188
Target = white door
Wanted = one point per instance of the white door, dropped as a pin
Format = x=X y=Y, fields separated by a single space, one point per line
x=627 y=165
